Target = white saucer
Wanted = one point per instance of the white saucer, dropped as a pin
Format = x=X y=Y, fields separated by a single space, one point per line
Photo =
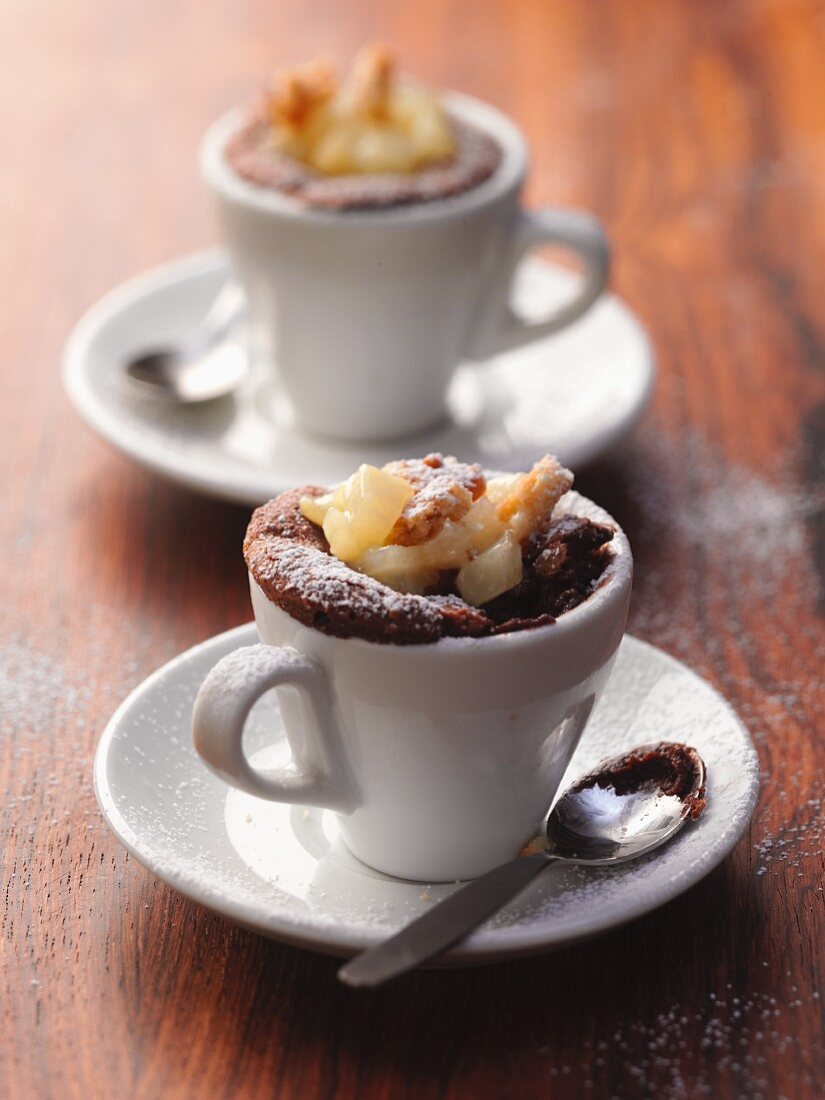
x=575 y=394
x=284 y=872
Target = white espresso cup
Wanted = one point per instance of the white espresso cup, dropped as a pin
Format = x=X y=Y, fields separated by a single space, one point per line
x=365 y=315
x=441 y=760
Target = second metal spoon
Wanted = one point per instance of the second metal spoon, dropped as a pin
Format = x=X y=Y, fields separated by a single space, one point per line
x=206 y=365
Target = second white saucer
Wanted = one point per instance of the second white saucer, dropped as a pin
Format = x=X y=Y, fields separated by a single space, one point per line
x=575 y=394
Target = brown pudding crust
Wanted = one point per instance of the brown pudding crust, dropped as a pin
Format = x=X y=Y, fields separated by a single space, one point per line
x=290 y=561
x=251 y=154
x=676 y=769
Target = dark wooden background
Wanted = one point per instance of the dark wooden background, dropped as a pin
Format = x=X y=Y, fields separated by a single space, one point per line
x=697 y=132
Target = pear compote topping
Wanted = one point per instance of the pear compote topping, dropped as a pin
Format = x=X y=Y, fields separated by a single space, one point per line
x=371 y=124
x=410 y=522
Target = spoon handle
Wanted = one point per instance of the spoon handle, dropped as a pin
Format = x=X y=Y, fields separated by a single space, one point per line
x=444 y=924
x=227 y=308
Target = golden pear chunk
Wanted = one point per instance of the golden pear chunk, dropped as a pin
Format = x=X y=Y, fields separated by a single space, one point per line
x=373 y=124
x=492 y=573
x=360 y=513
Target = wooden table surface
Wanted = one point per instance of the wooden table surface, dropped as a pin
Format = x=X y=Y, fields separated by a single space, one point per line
x=697 y=133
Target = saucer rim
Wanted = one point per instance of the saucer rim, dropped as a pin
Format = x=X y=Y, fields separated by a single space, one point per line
x=239 y=486
x=484 y=946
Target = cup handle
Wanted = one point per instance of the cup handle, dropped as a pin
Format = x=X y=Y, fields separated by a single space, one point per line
x=499 y=328
x=318 y=773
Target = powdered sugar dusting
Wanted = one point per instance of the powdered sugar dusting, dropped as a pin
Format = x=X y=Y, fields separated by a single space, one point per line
x=750 y=524
x=252 y=665
x=724 y=1023
x=444 y=490
x=324 y=580
x=743 y=535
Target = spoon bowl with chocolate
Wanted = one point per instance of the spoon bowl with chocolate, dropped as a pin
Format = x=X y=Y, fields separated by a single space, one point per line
x=628 y=806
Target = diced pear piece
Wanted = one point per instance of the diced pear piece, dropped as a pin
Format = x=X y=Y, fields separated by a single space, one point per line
x=382 y=150
x=374 y=500
x=332 y=150
x=343 y=542
x=416 y=568
x=493 y=572
x=483 y=524
x=430 y=133
x=399 y=567
x=457 y=543
x=366 y=511
x=315 y=508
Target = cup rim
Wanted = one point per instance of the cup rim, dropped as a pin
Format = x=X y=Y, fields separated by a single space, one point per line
x=509 y=174
x=615 y=585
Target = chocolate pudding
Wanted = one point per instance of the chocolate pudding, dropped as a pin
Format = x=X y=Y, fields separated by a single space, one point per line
x=433 y=549
x=372 y=142
x=676 y=770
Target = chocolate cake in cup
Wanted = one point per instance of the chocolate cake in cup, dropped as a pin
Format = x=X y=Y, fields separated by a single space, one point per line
x=372 y=143
x=436 y=714
x=375 y=227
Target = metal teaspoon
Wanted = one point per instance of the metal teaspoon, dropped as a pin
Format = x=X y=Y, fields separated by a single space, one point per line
x=626 y=807
x=206 y=365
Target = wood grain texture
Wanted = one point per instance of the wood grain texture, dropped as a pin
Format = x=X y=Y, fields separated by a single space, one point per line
x=697 y=132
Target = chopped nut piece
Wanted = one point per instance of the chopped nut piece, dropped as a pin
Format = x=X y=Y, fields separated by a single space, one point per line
x=530 y=501
x=371 y=81
x=296 y=93
x=445 y=490
x=428 y=511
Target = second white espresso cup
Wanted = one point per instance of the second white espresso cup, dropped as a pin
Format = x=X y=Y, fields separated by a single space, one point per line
x=440 y=760
x=367 y=314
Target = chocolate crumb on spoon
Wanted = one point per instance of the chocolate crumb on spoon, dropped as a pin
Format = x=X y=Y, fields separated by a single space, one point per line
x=676 y=769
x=623 y=809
